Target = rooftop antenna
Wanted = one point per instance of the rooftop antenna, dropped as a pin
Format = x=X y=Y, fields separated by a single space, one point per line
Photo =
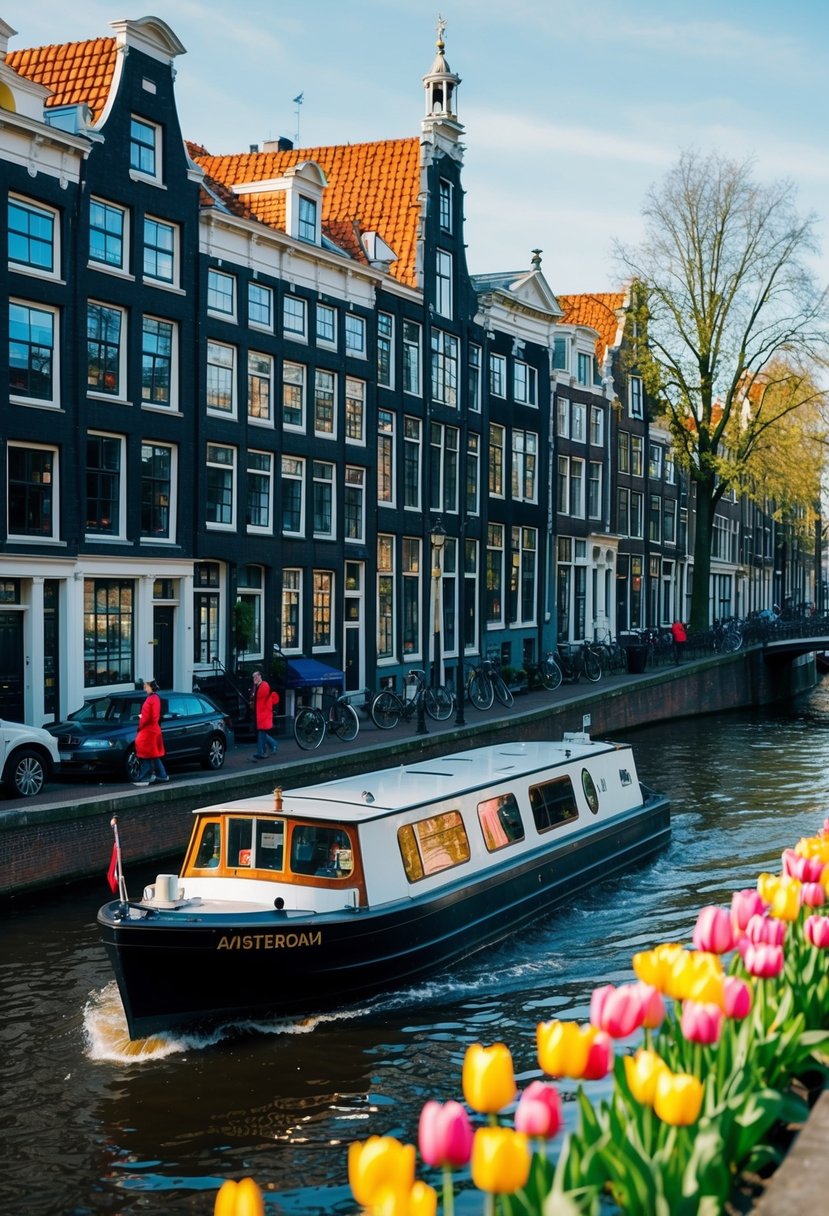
x=298 y=100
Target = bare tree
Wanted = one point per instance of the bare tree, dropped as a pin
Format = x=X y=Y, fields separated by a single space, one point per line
x=724 y=303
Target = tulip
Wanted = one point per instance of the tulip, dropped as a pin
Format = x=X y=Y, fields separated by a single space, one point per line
x=242 y=1198
x=701 y=1023
x=380 y=1164
x=764 y=930
x=677 y=1098
x=761 y=960
x=653 y=966
x=744 y=905
x=816 y=929
x=421 y=1200
x=539 y=1111
x=617 y=1011
x=445 y=1134
x=806 y=869
x=736 y=998
x=785 y=904
x=697 y=976
x=599 y=1056
x=653 y=1005
x=563 y=1048
x=642 y=1071
x=500 y=1160
x=488 y=1078
x=714 y=932
x=767 y=884
x=812 y=895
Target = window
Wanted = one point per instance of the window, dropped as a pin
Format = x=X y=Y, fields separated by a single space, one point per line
x=385 y=350
x=473 y=472
x=221 y=293
x=655 y=519
x=250 y=592
x=260 y=382
x=145 y=141
x=206 y=612
x=584 y=368
x=294 y=318
x=260 y=492
x=655 y=462
x=307 y=220
x=525 y=383
x=561 y=354
x=579 y=422
x=104 y=332
x=623 y=512
x=475 y=379
x=563 y=418
x=291 y=632
x=260 y=306
x=32 y=491
x=669 y=522
x=594 y=490
x=443 y=453
x=103 y=484
x=637 y=455
x=411 y=594
x=323 y=610
x=293 y=495
x=355 y=410
x=32 y=351
x=443 y=283
x=444 y=367
x=523 y=576
x=158 y=351
x=445 y=205
x=33 y=236
x=160 y=251
x=498 y=375
x=636 y=520
x=355 y=335
x=293 y=395
x=495 y=574
x=411 y=358
x=576 y=488
x=323 y=506
x=432 y=845
x=563 y=485
x=385 y=456
x=221 y=378
x=553 y=803
x=596 y=425
x=325 y=404
x=670 y=468
x=500 y=821
x=635 y=389
x=221 y=486
x=496 y=460
x=385 y=597
x=354 y=504
x=157 y=489
x=624 y=451
x=107 y=234
x=412 y=444
x=108 y=628
x=326 y=325
x=524 y=453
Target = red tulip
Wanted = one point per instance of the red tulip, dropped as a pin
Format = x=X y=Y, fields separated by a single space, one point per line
x=617 y=1011
x=599 y=1057
x=714 y=932
x=445 y=1134
x=817 y=931
x=653 y=1005
x=744 y=905
x=539 y=1111
x=701 y=1023
x=761 y=960
x=806 y=869
x=765 y=930
x=736 y=998
x=812 y=895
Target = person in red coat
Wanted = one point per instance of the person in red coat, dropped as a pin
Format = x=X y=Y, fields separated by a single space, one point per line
x=680 y=640
x=264 y=703
x=149 y=742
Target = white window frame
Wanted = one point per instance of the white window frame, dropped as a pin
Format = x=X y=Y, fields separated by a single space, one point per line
x=498 y=376
x=117 y=268
x=326 y=310
x=584 y=367
x=53 y=400
x=518 y=560
x=475 y=372
x=214 y=463
x=307 y=219
x=636 y=404
x=355 y=476
x=578 y=423
x=317 y=479
x=171 y=282
x=595 y=474
x=319 y=374
x=295 y=308
x=577 y=487
x=524 y=383
x=173 y=402
x=136 y=172
x=296 y=473
x=355 y=410
x=267 y=293
x=30 y=537
x=496 y=430
x=221 y=303
x=36 y=209
x=596 y=426
x=258 y=475
x=386 y=436
x=412 y=357
x=213 y=347
x=524 y=464
x=355 y=335
x=563 y=417
x=172 y=505
x=120 y=394
x=444 y=283
x=294 y=375
x=260 y=375
x=412 y=442
x=291 y=593
x=385 y=342
x=118 y=532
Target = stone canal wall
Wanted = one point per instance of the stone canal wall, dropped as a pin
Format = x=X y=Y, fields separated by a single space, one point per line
x=66 y=841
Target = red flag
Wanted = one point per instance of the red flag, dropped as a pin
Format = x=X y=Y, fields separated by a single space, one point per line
x=112 y=872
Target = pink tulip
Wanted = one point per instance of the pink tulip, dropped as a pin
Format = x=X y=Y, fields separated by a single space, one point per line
x=701 y=1023
x=817 y=931
x=765 y=930
x=812 y=895
x=599 y=1057
x=736 y=998
x=653 y=1005
x=617 y=1011
x=445 y=1134
x=762 y=960
x=805 y=869
x=539 y=1111
x=744 y=905
x=713 y=931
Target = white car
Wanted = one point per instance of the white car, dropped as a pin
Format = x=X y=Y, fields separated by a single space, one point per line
x=28 y=757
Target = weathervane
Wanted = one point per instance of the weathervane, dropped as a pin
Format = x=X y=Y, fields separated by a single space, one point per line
x=298 y=100
x=441 y=31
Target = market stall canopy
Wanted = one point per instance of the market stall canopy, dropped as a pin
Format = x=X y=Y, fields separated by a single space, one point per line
x=309 y=673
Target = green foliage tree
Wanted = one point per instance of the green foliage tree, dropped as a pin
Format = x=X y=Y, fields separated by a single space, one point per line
x=724 y=305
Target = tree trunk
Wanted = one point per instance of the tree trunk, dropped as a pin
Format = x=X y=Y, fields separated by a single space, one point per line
x=703 y=537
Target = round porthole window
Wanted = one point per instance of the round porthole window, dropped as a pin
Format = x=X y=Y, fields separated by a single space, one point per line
x=590 y=791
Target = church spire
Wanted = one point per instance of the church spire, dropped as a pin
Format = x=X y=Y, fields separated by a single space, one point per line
x=441 y=84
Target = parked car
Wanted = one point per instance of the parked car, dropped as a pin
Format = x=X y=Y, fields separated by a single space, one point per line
x=100 y=737
x=28 y=756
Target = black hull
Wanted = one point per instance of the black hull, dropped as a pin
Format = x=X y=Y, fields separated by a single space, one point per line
x=179 y=970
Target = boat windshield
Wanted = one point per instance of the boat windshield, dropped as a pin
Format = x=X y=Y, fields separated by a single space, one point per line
x=324 y=852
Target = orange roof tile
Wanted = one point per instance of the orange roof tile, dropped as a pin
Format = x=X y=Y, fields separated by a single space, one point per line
x=597 y=311
x=76 y=72
x=372 y=187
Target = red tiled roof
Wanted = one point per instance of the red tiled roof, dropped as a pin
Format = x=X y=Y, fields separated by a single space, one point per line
x=597 y=311
x=76 y=72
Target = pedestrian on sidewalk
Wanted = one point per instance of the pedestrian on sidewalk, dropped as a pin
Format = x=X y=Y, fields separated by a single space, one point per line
x=149 y=742
x=265 y=702
x=680 y=641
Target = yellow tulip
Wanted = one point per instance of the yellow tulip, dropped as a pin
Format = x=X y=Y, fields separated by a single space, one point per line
x=704 y=979
x=677 y=974
x=379 y=1164
x=563 y=1048
x=239 y=1199
x=488 y=1078
x=422 y=1200
x=500 y=1160
x=767 y=884
x=642 y=1072
x=653 y=966
x=677 y=1098
x=785 y=904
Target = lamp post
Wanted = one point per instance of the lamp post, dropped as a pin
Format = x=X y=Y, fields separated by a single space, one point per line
x=438 y=539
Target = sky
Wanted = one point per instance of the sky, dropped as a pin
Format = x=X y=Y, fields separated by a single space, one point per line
x=572 y=112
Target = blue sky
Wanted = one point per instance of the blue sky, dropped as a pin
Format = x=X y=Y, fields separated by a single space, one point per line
x=571 y=110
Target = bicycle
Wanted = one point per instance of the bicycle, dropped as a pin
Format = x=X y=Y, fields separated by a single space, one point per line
x=387 y=708
x=728 y=635
x=485 y=683
x=336 y=716
x=610 y=654
x=577 y=660
x=548 y=671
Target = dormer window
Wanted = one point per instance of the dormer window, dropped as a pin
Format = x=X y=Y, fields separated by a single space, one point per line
x=307 y=228
x=145 y=148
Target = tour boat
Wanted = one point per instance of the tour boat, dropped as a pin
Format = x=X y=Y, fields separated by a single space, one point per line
x=325 y=895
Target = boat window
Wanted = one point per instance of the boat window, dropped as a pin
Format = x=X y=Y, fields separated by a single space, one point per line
x=323 y=852
x=433 y=844
x=208 y=856
x=270 y=845
x=553 y=803
x=590 y=791
x=239 y=842
x=500 y=821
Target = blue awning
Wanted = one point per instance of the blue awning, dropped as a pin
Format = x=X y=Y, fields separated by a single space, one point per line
x=309 y=673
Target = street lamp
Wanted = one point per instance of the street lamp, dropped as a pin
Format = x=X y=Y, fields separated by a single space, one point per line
x=438 y=539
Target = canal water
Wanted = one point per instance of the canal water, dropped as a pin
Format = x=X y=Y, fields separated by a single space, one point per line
x=90 y=1125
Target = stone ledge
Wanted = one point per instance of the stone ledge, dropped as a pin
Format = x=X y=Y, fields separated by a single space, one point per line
x=798 y=1186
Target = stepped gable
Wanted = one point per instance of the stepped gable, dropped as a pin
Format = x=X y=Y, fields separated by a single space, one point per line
x=372 y=187
x=599 y=311
x=76 y=72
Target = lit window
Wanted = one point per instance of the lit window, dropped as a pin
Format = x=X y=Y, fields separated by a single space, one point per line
x=323 y=610
x=293 y=395
x=324 y=404
x=355 y=410
x=291 y=634
x=260 y=381
x=105 y=327
x=32 y=491
x=221 y=378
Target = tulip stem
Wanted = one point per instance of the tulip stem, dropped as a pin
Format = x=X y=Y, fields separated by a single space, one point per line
x=448 y=1192
x=489 y=1204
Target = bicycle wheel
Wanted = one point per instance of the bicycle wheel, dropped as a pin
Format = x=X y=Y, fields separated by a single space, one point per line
x=385 y=710
x=500 y=689
x=438 y=703
x=550 y=673
x=480 y=691
x=592 y=665
x=732 y=641
x=343 y=721
x=309 y=728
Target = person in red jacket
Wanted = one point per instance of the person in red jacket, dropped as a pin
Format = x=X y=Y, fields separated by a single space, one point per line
x=264 y=703
x=149 y=742
x=680 y=640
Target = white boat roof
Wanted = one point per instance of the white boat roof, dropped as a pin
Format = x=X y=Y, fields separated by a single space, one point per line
x=371 y=795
